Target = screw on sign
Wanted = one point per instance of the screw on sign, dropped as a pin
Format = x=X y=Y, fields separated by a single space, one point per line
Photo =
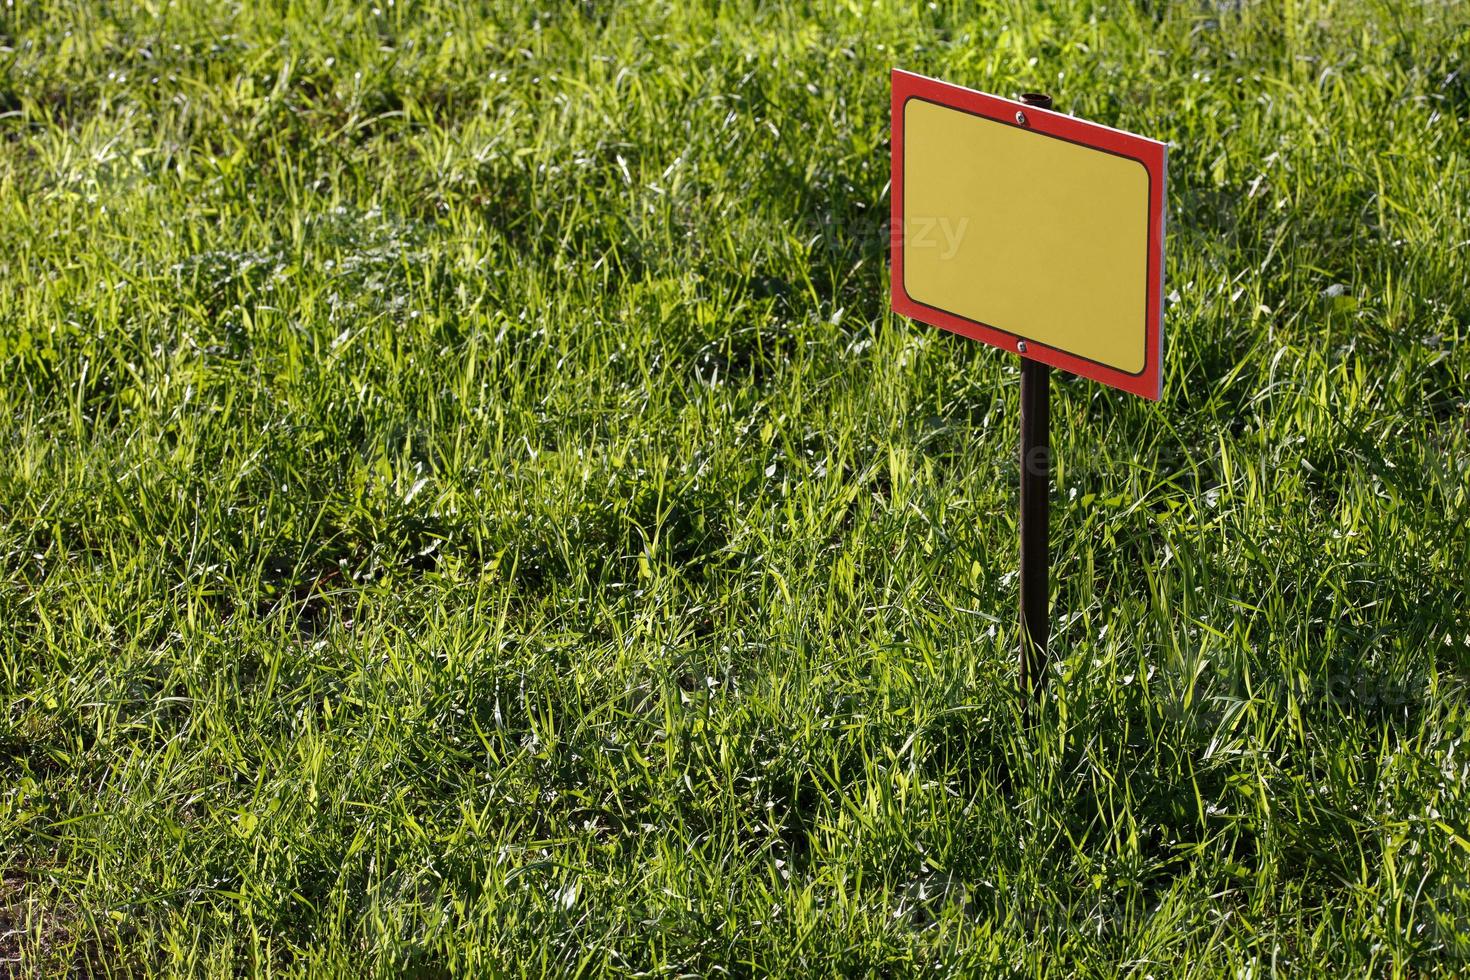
x=1060 y=258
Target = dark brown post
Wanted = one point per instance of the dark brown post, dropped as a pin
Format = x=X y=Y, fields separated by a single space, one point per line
x=1035 y=516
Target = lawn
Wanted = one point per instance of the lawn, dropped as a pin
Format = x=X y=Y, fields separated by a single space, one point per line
x=466 y=507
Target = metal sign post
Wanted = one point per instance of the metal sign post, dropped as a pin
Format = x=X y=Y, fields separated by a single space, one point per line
x=1035 y=523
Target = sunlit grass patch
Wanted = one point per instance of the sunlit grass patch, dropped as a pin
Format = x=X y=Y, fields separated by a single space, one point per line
x=467 y=509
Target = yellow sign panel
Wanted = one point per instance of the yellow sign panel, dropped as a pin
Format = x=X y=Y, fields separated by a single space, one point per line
x=1071 y=268
x=1030 y=230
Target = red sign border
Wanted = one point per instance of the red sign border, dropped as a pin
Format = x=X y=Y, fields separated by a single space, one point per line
x=1152 y=154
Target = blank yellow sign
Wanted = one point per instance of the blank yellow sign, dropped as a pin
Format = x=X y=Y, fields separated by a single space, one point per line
x=1027 y=232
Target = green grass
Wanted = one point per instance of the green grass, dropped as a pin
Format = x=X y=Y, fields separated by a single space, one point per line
x=465 y=506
